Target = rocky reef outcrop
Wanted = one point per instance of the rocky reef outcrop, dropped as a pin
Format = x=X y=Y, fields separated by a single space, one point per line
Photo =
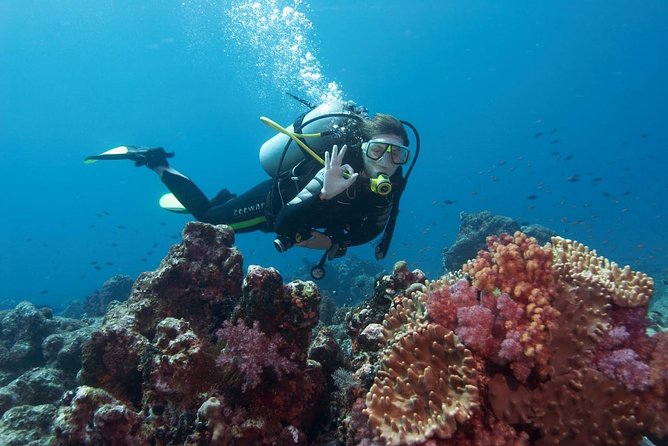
x=474 y=228
x=40 y=355
x=116 y=288
x=200 y=354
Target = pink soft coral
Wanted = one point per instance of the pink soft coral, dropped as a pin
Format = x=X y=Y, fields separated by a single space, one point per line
x=624 y=366
x=475 y=329
x=251 y=351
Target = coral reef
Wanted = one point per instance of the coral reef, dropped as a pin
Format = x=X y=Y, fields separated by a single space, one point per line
x=95 y=305
x=40 y=356
x=347 y=279
x=474 y=228
x=553 y=350
x=200 y=354
x=426 y=385
x=528 y=343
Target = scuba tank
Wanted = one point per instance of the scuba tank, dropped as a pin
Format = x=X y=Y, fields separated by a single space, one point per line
x=321 y=128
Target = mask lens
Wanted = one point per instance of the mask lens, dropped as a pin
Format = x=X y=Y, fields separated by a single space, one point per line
x=376 y=149
x=399 y=155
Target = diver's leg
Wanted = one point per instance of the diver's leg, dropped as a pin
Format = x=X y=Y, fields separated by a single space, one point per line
x=244 y=213
x=187 y=192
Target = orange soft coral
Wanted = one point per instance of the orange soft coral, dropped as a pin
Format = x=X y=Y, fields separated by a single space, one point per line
x=519 y=266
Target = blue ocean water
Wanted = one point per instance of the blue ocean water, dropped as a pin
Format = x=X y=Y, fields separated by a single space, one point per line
x=548 y=112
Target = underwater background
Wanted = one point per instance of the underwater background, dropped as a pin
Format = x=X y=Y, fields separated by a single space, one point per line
x=547 y=112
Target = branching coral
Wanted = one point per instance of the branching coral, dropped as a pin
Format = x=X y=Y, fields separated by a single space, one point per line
x=520 y=268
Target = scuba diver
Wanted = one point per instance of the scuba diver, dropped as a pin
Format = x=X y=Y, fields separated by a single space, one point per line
x=347 y=199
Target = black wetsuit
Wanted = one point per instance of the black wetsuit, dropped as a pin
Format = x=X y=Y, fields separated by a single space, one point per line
x=354 y=217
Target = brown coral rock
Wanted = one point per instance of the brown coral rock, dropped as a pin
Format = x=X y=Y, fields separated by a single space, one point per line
x=427 y=384
x=623 y=286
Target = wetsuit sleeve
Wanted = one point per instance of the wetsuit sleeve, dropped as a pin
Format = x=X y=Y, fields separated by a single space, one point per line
x=297 y=216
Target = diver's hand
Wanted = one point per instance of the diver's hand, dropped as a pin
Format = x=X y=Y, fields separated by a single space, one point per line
x=335 y=181
x=318 y=240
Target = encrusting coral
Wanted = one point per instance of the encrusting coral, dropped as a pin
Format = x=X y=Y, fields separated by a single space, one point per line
x=426 y=385
x=553 y=349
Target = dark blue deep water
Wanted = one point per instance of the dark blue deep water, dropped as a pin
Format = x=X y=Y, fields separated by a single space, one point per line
x=548 y=112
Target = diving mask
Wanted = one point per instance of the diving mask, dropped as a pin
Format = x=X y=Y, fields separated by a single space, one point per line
x=375 y=150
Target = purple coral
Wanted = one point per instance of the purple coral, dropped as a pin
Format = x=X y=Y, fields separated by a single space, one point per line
x=251 y=351
x=624 y=366
x=475 y=329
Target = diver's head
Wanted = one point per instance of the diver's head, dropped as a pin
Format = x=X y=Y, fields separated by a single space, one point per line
x=385 y=145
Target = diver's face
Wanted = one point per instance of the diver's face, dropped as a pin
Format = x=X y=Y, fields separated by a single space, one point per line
x=384 y=164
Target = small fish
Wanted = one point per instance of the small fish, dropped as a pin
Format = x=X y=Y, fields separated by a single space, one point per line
x=554 y=141
x=43 y=291
x=93 y=262
x=537 y=135
x=532 y=197
x=120 y=227
x=97 y=267
x=568 y=157
x=114 y=244
x=449 y=201
x=597 y=179
x=573 y=178
x=108 y=263
x=644 y=135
